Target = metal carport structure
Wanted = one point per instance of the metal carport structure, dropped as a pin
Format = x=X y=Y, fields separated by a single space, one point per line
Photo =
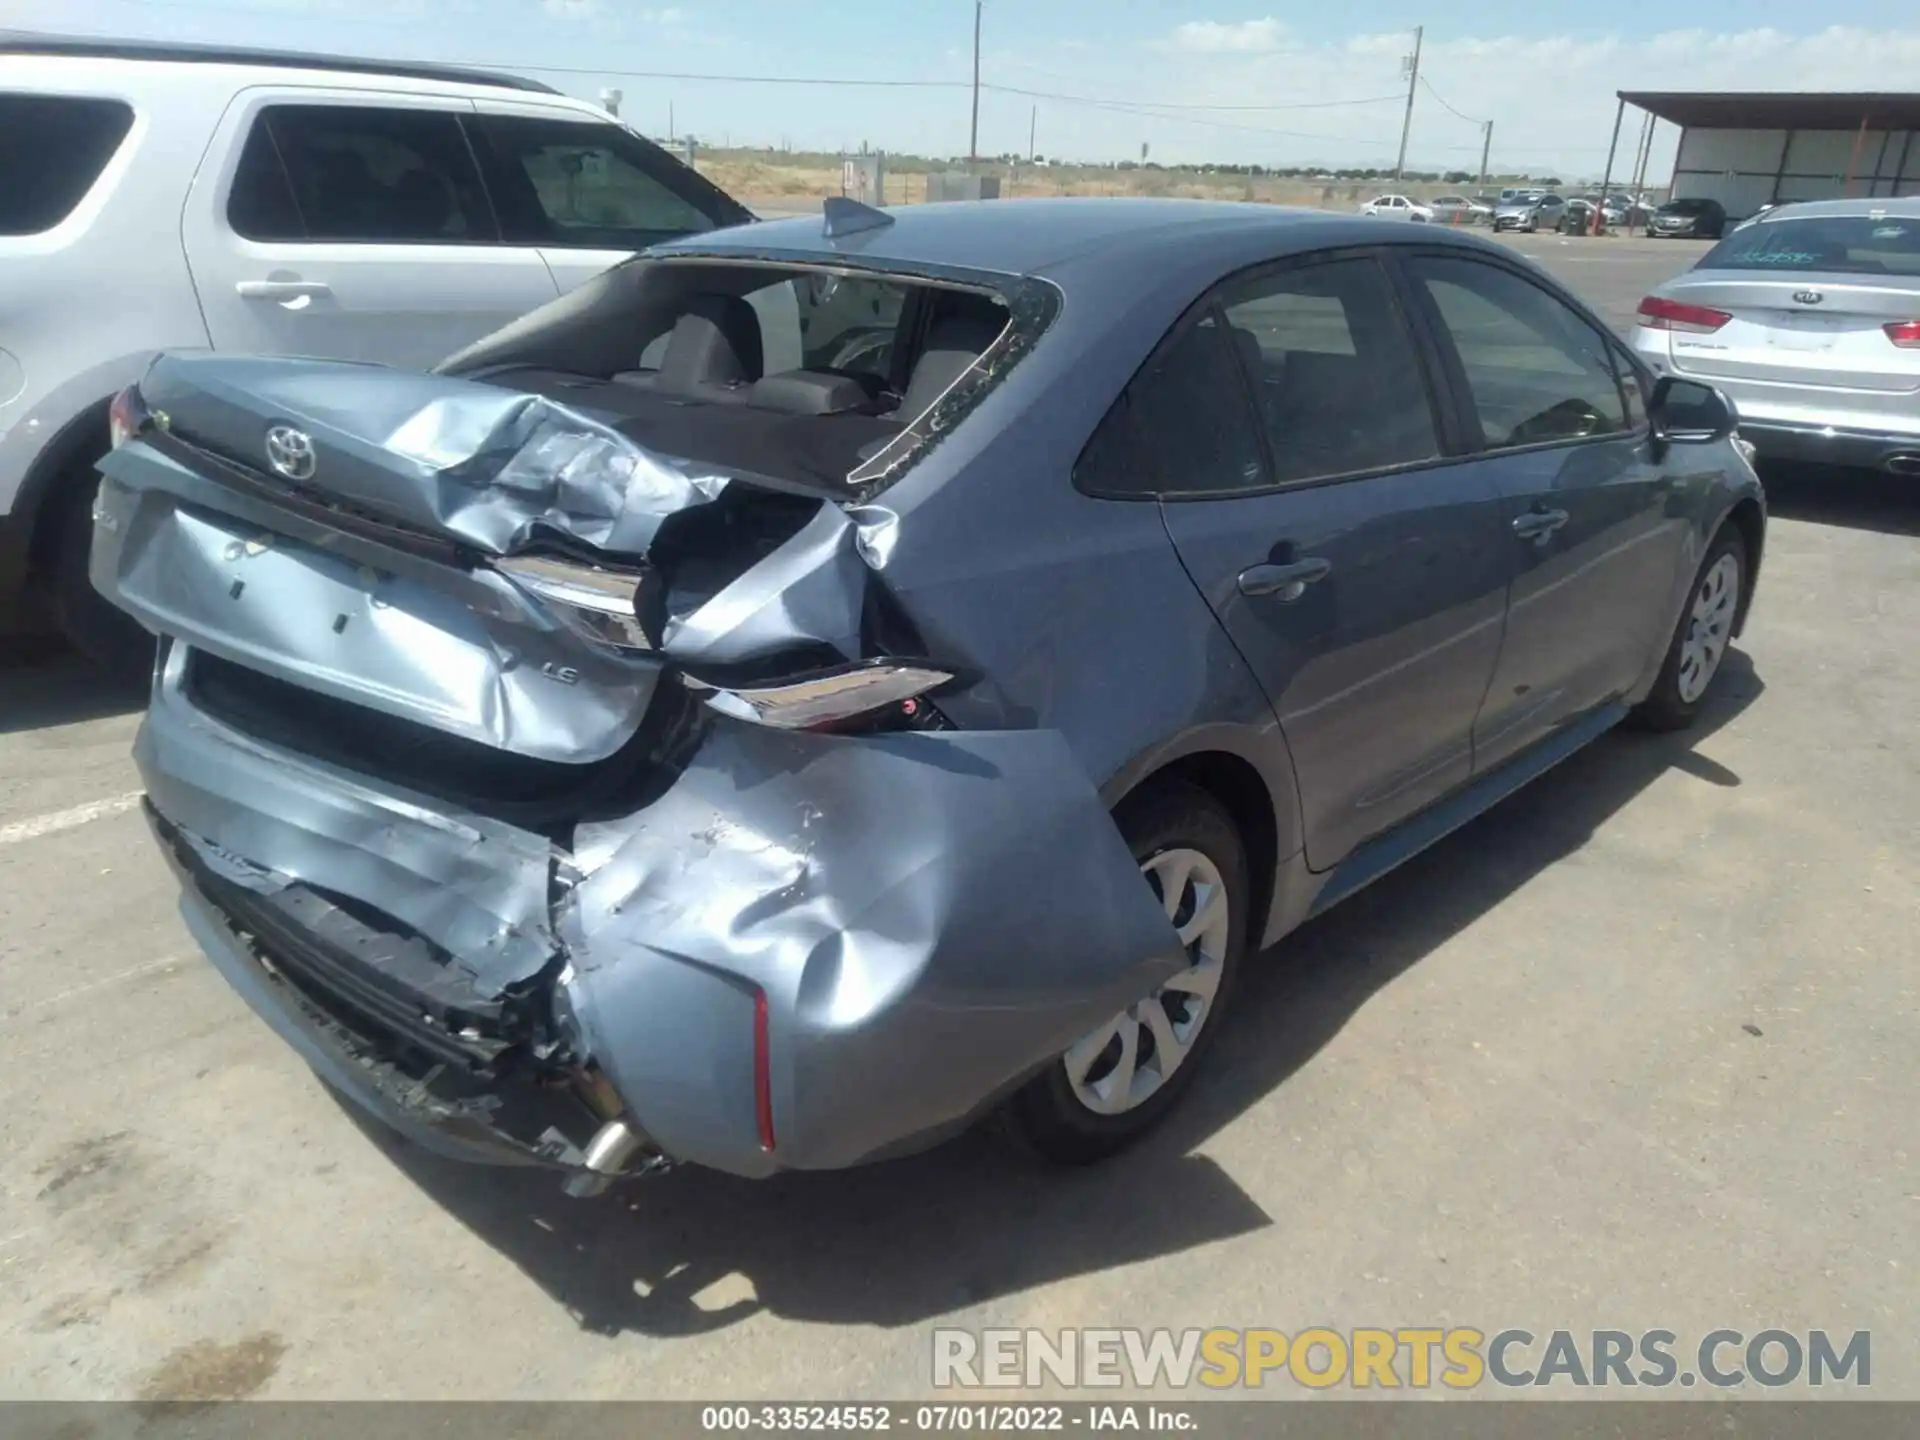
x=1758 y=148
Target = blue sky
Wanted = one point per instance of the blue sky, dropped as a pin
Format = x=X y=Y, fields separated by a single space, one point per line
x=1278 y=85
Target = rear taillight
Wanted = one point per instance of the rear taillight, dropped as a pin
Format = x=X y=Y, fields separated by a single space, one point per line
x=885 y=694
x=762 y=1072
x=127 y=416
x=600 y=603
x=1905 y=334
x=1659 y=313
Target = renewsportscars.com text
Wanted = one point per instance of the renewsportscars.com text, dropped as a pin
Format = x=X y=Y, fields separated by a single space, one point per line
x=1457 y=1357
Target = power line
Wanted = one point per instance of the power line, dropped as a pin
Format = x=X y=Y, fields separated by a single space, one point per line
x=1428 y=84
x=1185 y=113
x=714 y=79
x=1167 y=105
x=1180 y=117
x=1171 y=110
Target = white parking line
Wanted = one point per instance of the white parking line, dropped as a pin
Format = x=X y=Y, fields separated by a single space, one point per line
x=165 y=962
x=35 y=826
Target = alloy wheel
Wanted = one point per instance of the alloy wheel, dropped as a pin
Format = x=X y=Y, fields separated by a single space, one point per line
x=1708 y=627
x=1123 y=1064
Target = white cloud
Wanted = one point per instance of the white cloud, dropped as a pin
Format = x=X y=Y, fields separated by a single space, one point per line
x=571 y=9
x=1246 y=37
x=1551 y=97
x=672 y=15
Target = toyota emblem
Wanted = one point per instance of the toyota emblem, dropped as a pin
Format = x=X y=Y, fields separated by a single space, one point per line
x=1807 y=297
x=290 y=452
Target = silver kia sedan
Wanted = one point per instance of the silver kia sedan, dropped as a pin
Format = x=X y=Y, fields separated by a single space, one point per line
x=1809 y=320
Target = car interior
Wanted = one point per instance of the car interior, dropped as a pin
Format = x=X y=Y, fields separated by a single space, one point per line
x=677 y=357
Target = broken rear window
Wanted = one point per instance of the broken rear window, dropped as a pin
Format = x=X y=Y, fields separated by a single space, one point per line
x=832 y=377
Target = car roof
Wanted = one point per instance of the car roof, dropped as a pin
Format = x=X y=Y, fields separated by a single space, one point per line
x=1904 y=206
x=168 y=52
x=1047 y=236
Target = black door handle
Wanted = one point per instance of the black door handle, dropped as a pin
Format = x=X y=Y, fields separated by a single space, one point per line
x=1285 y=582
x=1538 y=525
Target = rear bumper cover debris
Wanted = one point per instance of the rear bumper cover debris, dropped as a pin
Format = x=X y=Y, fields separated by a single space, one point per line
x=930 y=916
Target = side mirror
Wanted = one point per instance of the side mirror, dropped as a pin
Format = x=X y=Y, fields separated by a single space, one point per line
x=1685 y=412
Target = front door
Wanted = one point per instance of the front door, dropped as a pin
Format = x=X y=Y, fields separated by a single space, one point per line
x=1589 y=532
x=1358 y=565
x=351 y=226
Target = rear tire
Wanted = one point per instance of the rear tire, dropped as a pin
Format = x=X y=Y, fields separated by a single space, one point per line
x=1698 y=649
x=109 y=637
x=1055 y=1114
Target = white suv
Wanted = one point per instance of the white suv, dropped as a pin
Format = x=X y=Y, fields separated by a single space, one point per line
x=181 y=198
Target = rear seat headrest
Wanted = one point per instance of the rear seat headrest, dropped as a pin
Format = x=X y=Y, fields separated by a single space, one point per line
x=715 y=345
x=952 y=345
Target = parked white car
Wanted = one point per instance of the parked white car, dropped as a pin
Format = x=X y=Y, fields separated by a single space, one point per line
x=189 y=198
x=1809 y=321
x=1396 y=207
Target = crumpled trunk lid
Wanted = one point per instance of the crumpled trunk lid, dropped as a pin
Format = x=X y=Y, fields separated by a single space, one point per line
x=353 y=531
x=490 y=468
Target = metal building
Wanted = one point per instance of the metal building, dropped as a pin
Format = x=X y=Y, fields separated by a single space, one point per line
x=1749 y=150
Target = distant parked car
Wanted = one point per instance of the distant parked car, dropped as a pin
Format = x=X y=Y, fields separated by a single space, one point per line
x=1633 y=210
x=345 y=209
x=1809 y=320
x=1689 y=219
x=1396 y=207
x=1577 y=218
x=1534 y=211
x=1459 y=210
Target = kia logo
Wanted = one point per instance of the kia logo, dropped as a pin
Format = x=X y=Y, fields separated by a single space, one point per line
x=290 y=452
x=1807 y=297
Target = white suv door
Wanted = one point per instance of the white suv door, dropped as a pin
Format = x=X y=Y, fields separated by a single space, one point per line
x=351 y=225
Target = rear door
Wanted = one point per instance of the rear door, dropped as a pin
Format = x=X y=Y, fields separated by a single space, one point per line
x=587 y=193
x=1590 y=537
x=1357 y=562
x=351 y=225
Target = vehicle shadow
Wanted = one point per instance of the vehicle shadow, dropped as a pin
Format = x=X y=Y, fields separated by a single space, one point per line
x=1304 y=990
x=907 y=1241
x=1830 y=495
x=43 y=683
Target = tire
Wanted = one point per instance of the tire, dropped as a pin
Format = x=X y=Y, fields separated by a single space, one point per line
x=1049 y=1116
x=109 y=637
x=1678 y=693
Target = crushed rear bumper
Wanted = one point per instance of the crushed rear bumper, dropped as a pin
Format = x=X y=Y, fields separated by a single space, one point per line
x=930 y=917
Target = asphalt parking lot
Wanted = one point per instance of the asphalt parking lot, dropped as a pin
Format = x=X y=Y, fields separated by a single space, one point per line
x=1637 y=1050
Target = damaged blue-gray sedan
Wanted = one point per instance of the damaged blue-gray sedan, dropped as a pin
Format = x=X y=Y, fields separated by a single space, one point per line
x=826 y=682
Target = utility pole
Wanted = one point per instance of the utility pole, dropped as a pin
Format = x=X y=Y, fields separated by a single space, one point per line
x=669 y=122
x=1486 y=145
x=1033 y=124
x=1641 y=154
x=973 y=138
x=1406 y=125
x=1606 y=178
